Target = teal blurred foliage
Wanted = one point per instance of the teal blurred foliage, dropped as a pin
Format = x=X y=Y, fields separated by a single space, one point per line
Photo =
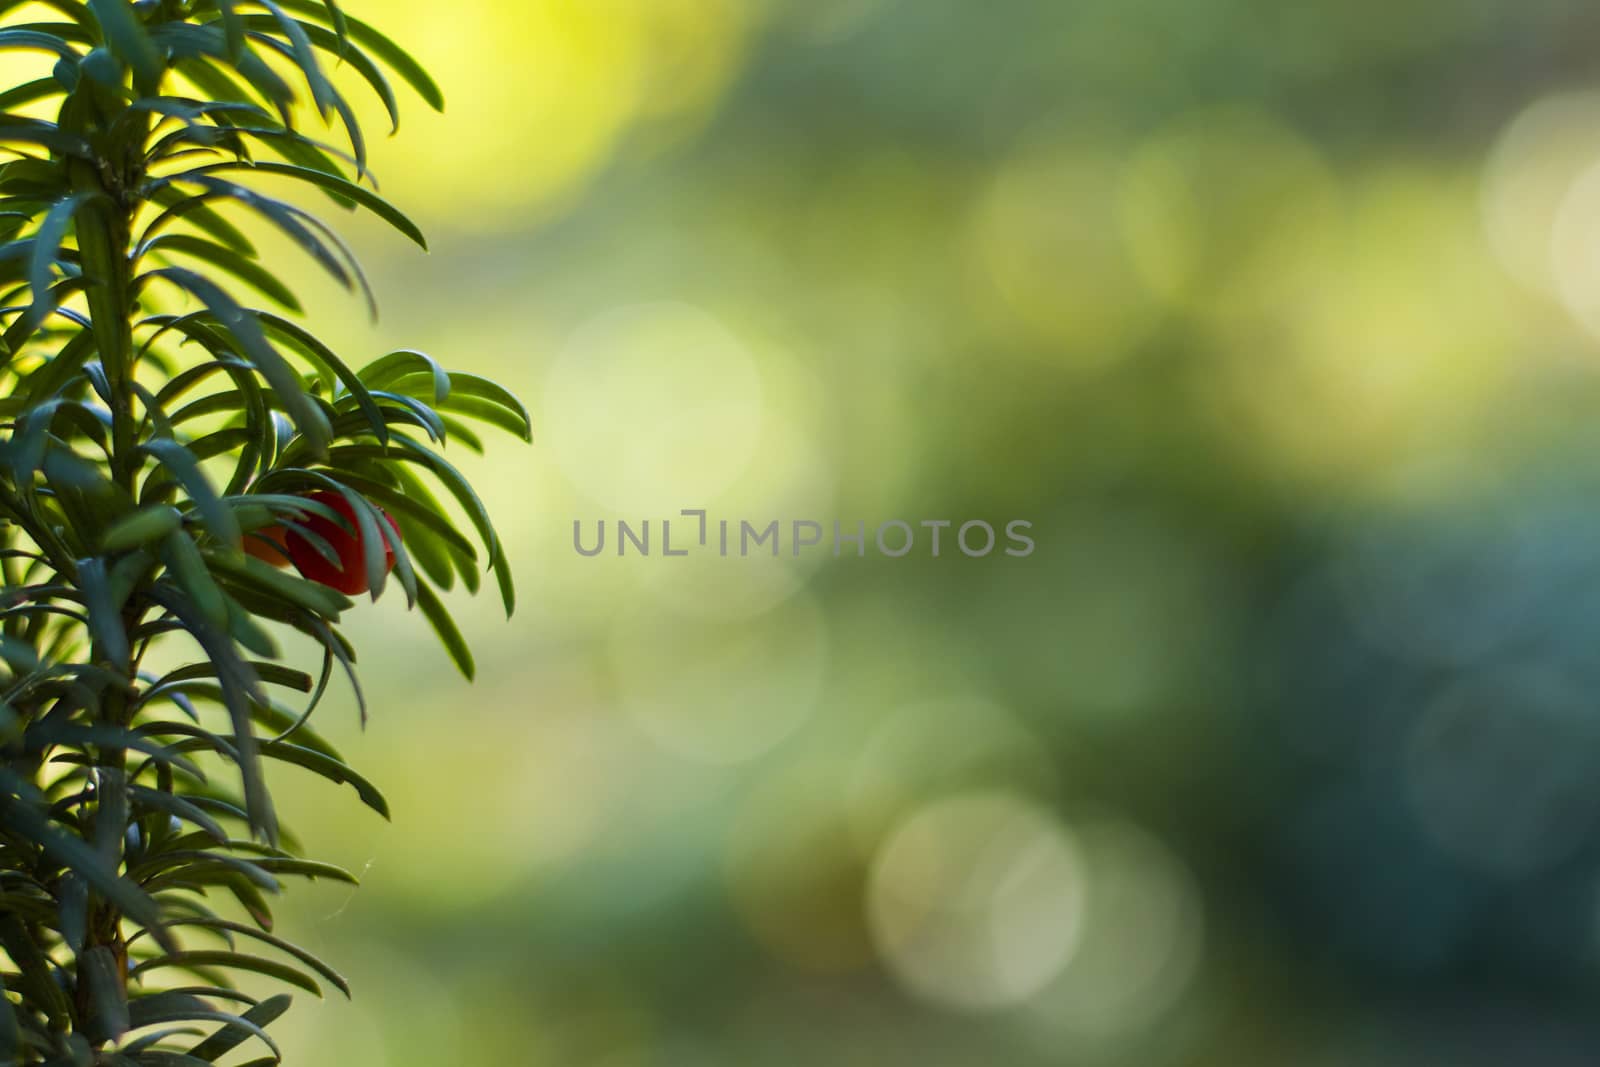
x=1277 y=321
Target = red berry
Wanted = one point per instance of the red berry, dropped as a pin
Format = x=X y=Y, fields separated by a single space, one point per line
x=268 y=544
x=350 y=575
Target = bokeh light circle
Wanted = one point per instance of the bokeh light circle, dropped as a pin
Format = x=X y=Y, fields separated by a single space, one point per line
x=1063 y=273
x=926 y=749
x=1575 y=249
x=1528 y=176
x=652 y=408
x=976 y=902
x=1143 y=936
x=1219 y=239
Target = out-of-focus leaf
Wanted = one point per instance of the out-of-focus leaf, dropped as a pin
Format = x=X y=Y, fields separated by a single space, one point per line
x=237 y=961
x=458 y=487
x=44 y=734
x=268 y=673
x=224 y=258
x=188 y=41
x=244 y=628
x=189 y=569
x=328 y=768
x=218 y=517
x=201 y=216
x=232 y=27
x=171 y=1007
x=296 y=224
x=108 y=1003
x=105 y=614
x=306 y=594
x=239 y=687
x=247 y=331
x=74 y=910
x=128 y=40
x=10 y=1033
x=75 y=854
x=45 y=250
x=20 y=131
x=310 y=959
x=330 y=41
x=37 y=973
x=37 y=41
x=488 y=396
x=404 y=506
x=443 y=625
x=397 y=365
x=29 y=93
x=367 y=199
x=177 y=807
x=328 y=365
x=395 y=57
x=141 y=527
x=251 y=1023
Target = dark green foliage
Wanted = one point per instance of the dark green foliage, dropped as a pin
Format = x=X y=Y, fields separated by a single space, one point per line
x=150 y=422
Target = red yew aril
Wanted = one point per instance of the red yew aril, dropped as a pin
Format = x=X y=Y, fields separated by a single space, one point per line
x=268 y=544
x=349 y=576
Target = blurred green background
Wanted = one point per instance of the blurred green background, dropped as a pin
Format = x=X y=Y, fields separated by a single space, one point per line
x=1280 y=322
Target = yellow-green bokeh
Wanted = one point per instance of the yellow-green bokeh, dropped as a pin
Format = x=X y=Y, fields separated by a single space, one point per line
x=1185 y=285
